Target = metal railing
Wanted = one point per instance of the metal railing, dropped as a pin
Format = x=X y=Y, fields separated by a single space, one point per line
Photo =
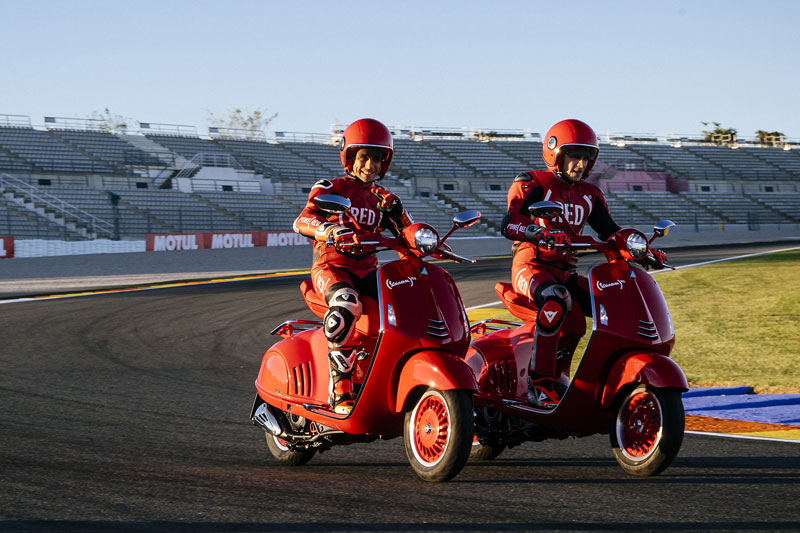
x=61 y=208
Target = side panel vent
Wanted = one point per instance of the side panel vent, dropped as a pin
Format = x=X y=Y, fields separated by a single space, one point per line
x=647 y=330
x=503 y=376
x=301 y=382
x=436 y=328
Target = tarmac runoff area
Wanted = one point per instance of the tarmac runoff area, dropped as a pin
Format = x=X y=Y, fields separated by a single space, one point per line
x=730 y=411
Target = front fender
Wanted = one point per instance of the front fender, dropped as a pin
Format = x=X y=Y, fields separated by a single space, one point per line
x=649 y=368
x=436 y=369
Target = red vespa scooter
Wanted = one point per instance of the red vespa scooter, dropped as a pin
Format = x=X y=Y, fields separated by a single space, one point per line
x=410 y=378
x=625 y=385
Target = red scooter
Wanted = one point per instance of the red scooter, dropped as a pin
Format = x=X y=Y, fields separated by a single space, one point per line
x=410 y=377
x=625 y=385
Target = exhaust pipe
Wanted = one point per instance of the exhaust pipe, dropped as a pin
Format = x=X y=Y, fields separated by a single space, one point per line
x=264 y=418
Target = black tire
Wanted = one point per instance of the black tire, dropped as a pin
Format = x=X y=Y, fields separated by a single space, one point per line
x=484 y=452
x=647 y=429
x=285 y=455
x=438 y=434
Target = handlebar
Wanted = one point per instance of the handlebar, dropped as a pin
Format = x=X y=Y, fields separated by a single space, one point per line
x=617 y=247
x=402 y=245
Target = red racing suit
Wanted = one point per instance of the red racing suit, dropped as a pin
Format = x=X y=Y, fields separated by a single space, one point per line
x=330 y=266
x=546 y=276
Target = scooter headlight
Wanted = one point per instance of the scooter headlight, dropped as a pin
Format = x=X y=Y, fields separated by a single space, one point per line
x=426 y=240
x=637 y=245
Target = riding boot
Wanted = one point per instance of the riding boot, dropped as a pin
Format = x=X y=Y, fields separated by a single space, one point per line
x=341 y=382
x=542 y=373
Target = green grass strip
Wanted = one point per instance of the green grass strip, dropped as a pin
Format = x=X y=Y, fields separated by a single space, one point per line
x=738 y=322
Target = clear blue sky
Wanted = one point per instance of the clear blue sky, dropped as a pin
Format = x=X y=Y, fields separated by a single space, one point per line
x=628 y=66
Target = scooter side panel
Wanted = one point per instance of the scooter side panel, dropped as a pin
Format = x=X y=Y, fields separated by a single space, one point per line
x=500 y=361
x=290 y=372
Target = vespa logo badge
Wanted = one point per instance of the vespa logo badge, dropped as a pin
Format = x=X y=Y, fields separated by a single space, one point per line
x=618 y=283
x=408 y=281
x=551 y=142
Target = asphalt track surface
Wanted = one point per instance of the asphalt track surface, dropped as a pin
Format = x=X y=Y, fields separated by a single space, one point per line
x=129 y=411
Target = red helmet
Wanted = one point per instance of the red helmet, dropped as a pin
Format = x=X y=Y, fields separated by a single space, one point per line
x=366 y=133
x=566 y=133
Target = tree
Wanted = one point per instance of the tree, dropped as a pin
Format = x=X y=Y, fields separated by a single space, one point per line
x=250 y=121
x=719 y=135
x=112 y=122
x=770 y=138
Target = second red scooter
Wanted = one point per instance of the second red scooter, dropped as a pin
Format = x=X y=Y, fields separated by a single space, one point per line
x=625 y=385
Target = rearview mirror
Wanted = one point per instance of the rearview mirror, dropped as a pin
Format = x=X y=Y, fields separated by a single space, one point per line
x=332 y=203
x=545 y=209
x=663 y=227
x=466 y=219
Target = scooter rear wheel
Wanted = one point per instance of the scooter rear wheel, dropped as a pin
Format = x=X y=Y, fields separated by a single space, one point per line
x=285 y=455
x=438 y=434
x=647 y=430
x=484 y=452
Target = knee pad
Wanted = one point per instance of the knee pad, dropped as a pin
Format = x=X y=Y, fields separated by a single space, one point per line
x=345 y=297
x=338 y=325
x=554 y=302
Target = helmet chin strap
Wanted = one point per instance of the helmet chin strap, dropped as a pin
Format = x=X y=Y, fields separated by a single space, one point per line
x=560 y=175
x=354 y=177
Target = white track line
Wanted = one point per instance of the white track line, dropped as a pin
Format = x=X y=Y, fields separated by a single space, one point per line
x=746 y=437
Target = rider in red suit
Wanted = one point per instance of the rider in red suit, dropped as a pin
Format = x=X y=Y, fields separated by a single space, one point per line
x=339 y=276
x=544 y=266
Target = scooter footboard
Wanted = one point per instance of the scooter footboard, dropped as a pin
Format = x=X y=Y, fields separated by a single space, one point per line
x=649 y=368
x=436 y=369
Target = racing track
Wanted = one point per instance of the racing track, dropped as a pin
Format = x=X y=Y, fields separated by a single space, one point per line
x=129 y=411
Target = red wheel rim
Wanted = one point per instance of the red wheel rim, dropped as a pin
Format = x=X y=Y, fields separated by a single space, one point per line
x=282 y=444
x=431 y=429
x=639 y=425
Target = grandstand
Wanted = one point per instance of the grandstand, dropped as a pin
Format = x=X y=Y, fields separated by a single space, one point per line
x=58 y=180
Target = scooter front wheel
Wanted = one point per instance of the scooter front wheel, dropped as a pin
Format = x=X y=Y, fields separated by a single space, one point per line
x=438 y=434
x=647 y=430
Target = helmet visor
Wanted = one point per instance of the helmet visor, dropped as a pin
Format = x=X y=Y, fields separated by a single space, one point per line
x=580 y=152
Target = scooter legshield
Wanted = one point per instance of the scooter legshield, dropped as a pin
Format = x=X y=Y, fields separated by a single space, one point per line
x=649 y=368
x=436 y=369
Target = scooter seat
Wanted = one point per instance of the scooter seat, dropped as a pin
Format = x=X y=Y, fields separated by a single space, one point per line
x=369 y=323
x=313 y=300
x=519 y=306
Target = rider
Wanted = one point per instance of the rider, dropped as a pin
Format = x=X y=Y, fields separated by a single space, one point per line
x=340 y=277
x=544 y=266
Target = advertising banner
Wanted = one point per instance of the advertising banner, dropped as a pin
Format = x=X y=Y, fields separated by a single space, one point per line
x=6 y=247
x=170 y=242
